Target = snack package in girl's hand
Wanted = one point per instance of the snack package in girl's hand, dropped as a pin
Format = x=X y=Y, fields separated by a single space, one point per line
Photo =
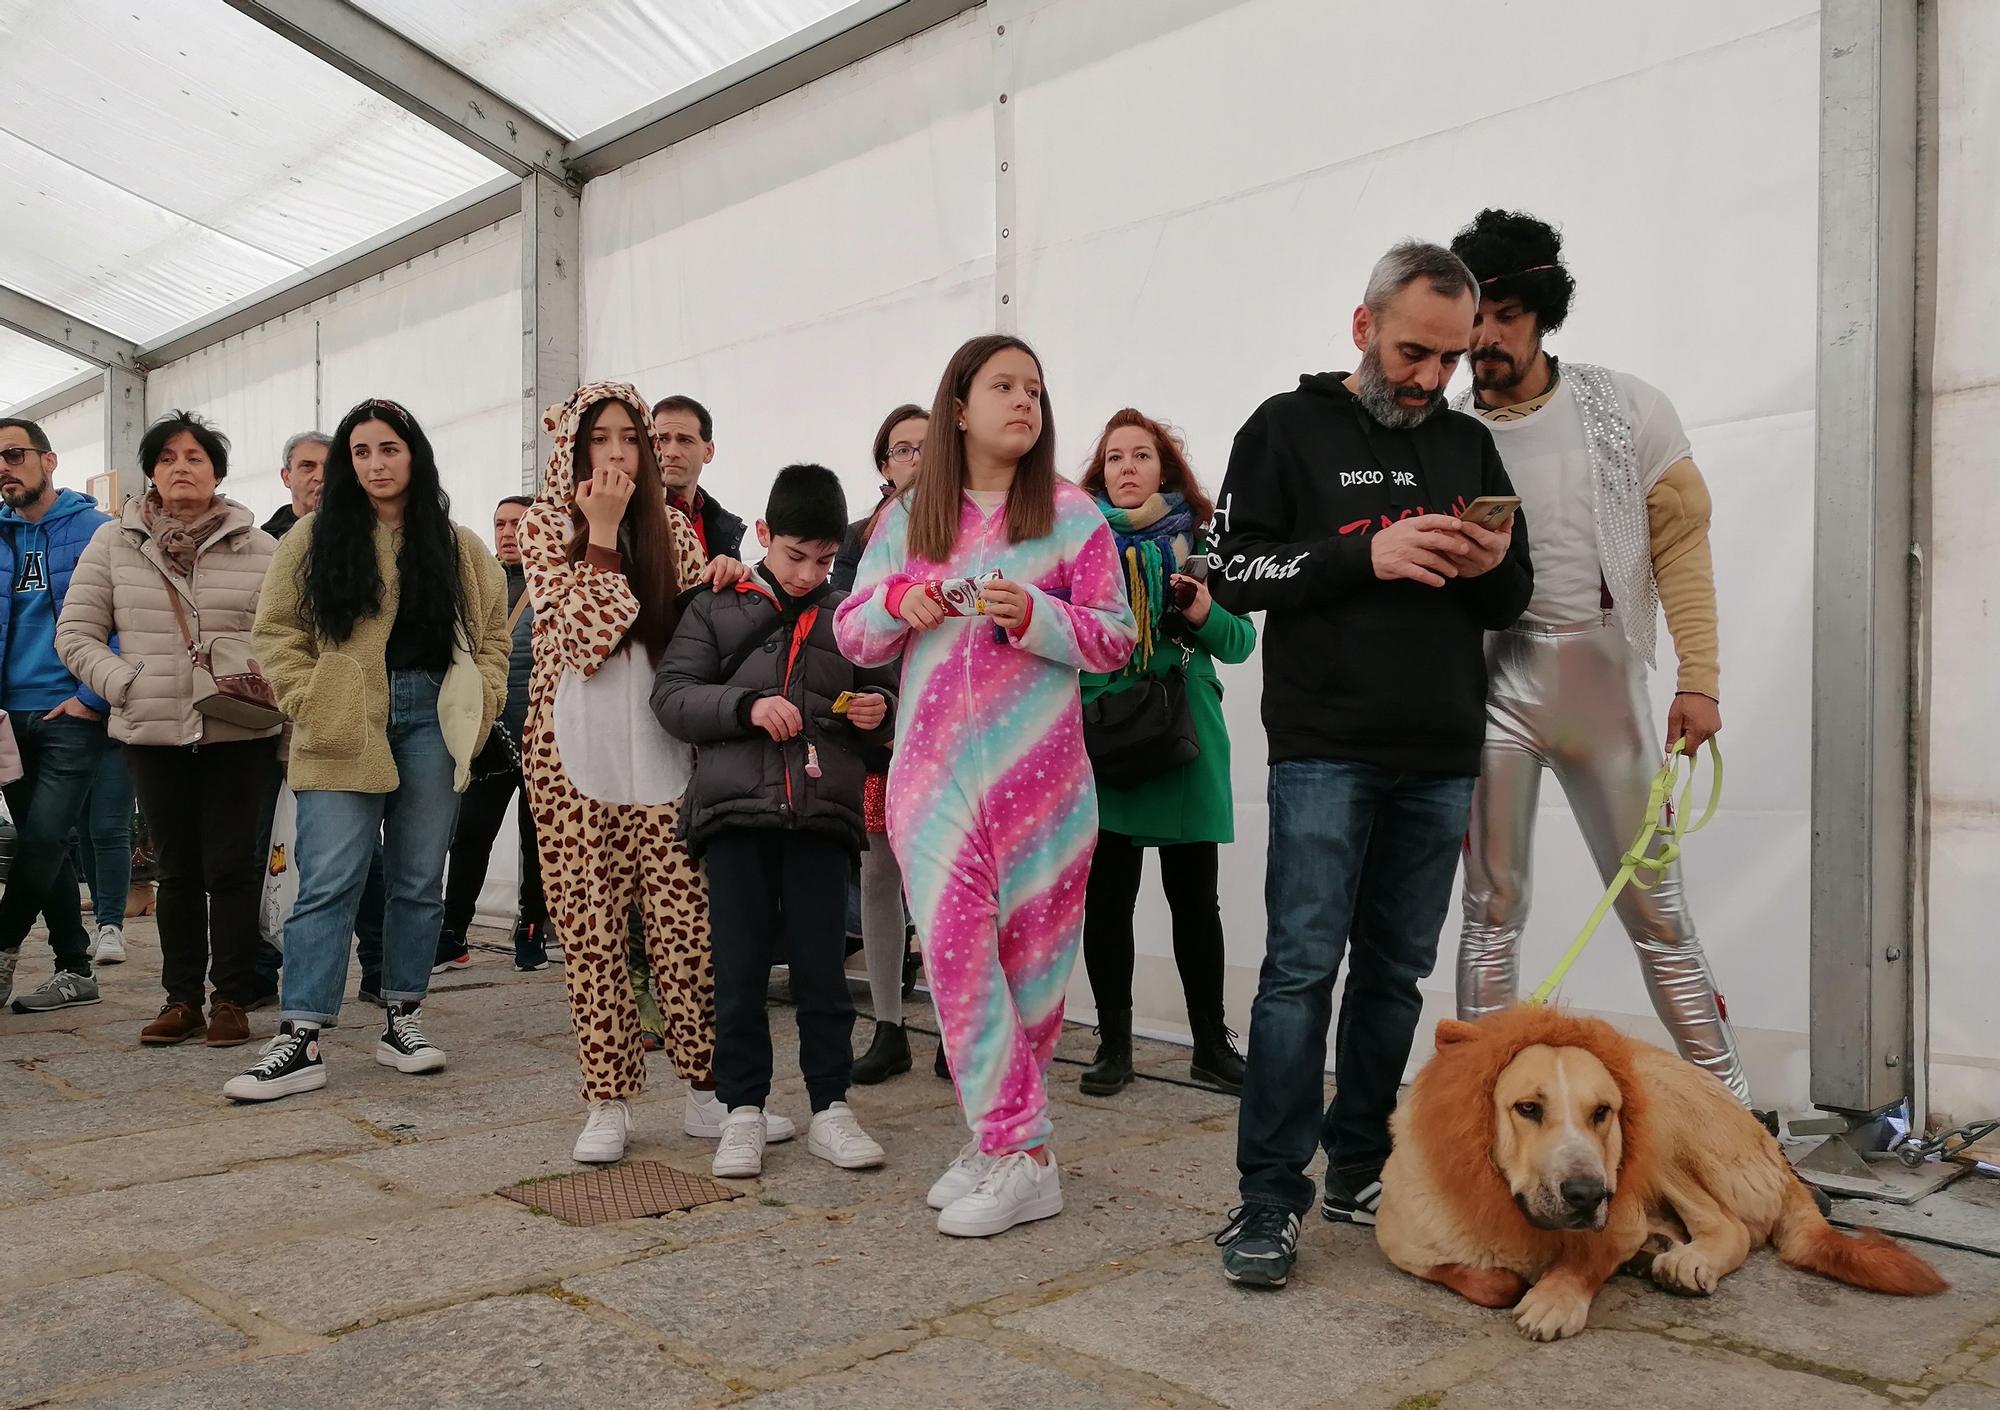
x=960 y=596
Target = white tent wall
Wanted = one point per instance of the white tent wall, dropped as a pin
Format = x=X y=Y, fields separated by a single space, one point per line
x=77 y=433
x=1193 y=193
x=1961 y=402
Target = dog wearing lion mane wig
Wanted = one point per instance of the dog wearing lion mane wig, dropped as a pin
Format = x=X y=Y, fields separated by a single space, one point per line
x=1538 y=1153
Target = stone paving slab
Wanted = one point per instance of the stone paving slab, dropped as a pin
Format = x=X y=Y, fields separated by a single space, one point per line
x=15 y=1046
x=204 y=1148
x=17 y=1184
x=113 y=1324
x=1607 y=1368
x=1198 y=1170
x=1965 y=1212
x=416 y=1113
x=1304 y=1345
x=1800 y=1314
x=821 y=1284
x=22 y=1085
x=177 y=1217
x=335 y=1280
x=506 y=1353
x=60 y=1121
x=948 y=1373
x=1965 y=1397
x=454 y=1167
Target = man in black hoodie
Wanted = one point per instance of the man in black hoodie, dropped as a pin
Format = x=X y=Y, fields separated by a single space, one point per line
x=1339 y=518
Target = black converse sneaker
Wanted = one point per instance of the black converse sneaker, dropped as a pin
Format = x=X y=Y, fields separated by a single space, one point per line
x=404 y=1046
x=290 y=1063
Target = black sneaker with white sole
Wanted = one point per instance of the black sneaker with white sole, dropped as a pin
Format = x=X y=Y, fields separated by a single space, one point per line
x=290 y=1063
x=404 y=1046
x=1259 y=1246
x=1339 y=1207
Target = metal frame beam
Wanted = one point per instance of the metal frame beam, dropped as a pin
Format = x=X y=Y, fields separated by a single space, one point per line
x=28 y=315
x=843 y=38
x=1862 y=936
x=124 y=424
x=80 y=388
x=470 y=213
x=413 y=78
x=551 y=314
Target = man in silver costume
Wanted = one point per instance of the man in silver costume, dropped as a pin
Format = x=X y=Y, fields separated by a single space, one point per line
x=1621 y=529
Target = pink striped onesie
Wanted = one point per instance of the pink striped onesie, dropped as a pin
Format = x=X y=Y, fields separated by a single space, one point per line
x=992 y=807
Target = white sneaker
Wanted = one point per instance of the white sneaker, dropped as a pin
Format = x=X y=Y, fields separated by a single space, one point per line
x=837 y=1138
x=110 y=945
x=605 y=1132
x=1015 y=1189
x=706 y=1113
x=960 y=1177
x=740 y=1155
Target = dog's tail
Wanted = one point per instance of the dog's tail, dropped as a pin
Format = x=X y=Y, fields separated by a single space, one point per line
x=1866 y=1260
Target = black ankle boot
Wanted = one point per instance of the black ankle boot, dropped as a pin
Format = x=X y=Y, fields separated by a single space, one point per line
x=1216 y=1062
x=887 y=1055
x=941 y=1067
x=1111 y=1072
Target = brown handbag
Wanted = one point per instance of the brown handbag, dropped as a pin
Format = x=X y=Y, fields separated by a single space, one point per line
x=228 y=683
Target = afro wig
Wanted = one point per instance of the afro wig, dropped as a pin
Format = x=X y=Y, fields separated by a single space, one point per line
x=1515 y=256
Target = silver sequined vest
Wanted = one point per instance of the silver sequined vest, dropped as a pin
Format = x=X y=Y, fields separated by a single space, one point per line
x=1624 y=533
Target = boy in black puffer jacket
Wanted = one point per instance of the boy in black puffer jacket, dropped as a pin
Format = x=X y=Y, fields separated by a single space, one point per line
x=780 y=718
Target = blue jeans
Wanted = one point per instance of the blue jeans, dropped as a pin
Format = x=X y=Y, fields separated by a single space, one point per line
x=1361 y=862
x=105 y=839
x=60 y=757
x=338 y=835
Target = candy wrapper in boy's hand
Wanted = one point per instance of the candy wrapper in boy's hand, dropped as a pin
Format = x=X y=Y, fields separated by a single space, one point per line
x=959 y=597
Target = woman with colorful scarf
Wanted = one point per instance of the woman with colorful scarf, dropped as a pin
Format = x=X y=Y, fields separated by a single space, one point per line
x=1141 y=480
x=200 y=779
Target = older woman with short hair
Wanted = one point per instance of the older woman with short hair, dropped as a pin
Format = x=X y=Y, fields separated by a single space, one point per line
x=183 y=552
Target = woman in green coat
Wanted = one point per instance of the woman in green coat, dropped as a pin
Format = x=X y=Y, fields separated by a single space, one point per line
x=1140 y=476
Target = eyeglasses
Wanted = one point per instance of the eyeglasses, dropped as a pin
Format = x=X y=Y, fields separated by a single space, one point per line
x=17 y=456
x=904 y=454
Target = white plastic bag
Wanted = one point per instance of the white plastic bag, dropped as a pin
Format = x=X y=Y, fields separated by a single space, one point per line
x=281 y=874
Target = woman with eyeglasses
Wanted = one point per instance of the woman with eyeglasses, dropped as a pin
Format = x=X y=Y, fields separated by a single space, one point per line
x=383 y=632
x=899 y=449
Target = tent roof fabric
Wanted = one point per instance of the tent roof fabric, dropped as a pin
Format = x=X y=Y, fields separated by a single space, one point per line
x=164 y=159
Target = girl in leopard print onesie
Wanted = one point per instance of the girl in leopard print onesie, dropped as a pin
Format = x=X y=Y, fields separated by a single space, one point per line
x=605 y=558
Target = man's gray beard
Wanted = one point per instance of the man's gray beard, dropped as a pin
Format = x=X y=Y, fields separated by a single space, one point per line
x=1377 y=395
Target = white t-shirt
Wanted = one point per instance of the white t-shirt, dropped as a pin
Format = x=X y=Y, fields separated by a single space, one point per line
x=1548 y=460
x=612 y=745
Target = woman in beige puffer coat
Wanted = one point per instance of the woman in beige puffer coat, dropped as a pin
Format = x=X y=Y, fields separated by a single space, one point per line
x=201 y=781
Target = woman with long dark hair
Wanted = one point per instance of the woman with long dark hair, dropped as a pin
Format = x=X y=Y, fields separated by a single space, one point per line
x=996 y=581
x=606 y=560
x=1145 y=488
x=383 y=631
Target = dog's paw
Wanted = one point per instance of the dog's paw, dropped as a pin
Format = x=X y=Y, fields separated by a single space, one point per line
x=1551 y=1311
x=1685 y=1269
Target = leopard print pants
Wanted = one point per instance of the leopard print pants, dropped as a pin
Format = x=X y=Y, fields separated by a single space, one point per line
x=597 y=860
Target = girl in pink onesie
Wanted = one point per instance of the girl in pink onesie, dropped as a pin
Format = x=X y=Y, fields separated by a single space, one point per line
x=992 y=808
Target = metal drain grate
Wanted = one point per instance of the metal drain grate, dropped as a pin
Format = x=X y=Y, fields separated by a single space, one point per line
x=643 y=1189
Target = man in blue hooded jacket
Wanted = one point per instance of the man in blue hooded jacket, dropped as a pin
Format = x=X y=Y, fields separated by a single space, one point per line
x=58 y=722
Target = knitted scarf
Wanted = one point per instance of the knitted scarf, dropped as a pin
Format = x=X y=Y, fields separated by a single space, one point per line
x=179 y=540
x=1153 y=541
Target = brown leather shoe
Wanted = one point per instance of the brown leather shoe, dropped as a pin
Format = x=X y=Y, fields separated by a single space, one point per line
x=176 y=1024
x=228 y=1026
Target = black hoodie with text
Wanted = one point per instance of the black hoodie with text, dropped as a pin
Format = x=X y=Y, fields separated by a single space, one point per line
x=1387 y=673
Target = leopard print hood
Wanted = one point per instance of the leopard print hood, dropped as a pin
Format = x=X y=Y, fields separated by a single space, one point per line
x=561 y=422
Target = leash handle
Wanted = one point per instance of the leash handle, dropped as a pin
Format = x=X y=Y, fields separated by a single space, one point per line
x=1639 y=857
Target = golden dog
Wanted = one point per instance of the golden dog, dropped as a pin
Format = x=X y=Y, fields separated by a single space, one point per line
x=1537 y=1154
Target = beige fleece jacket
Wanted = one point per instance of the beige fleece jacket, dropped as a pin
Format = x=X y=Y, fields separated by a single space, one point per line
x=337 y=694
x=117 y=588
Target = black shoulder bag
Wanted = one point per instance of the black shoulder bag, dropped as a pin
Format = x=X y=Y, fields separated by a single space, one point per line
x=1142 y=731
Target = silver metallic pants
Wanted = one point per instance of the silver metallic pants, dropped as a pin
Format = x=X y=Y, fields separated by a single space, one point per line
x=1573 y=699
